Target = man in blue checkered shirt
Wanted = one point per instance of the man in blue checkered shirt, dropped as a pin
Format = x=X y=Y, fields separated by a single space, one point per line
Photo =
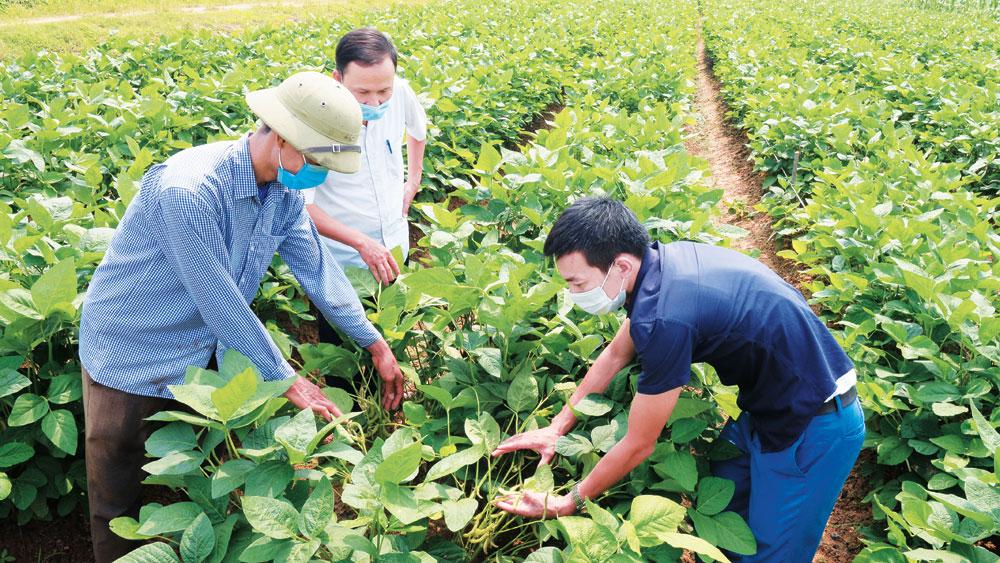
x=176 y=284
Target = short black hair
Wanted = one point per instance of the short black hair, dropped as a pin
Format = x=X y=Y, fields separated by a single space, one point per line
x=366 y=46
x=599 y=227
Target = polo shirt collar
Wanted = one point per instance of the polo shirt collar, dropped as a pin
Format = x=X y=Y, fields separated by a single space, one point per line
x=649 y=260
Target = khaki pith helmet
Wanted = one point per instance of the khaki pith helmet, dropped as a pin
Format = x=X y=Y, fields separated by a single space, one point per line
x=317 y=115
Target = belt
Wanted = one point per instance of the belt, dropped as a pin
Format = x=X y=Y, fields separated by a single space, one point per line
x=846 y=398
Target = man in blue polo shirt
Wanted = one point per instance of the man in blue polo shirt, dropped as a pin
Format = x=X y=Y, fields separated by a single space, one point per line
x=801 y=428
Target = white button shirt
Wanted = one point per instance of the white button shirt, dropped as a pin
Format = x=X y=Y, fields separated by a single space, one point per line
x=371 y=199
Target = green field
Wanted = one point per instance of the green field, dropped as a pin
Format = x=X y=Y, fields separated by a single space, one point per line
x=874 y=129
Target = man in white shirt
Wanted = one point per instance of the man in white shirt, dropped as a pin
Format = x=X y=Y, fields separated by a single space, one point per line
x=363 y=215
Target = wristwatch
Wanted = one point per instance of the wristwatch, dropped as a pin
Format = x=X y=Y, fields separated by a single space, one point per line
x=574 y=493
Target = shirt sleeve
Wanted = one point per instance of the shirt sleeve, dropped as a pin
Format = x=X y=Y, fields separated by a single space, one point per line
x=193 y=243
x=324 y=280
x=665 y=351
x=416 y=117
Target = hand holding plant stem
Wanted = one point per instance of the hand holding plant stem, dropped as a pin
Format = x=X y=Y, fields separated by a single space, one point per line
x=388 y=370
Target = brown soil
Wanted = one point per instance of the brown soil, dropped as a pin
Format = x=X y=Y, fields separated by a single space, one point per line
x=66 y=540
x=725 y=147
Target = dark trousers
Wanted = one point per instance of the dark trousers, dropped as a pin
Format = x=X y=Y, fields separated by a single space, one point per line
x=116 y=433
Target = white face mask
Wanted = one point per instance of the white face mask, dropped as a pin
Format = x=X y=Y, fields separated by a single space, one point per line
x=595 y=301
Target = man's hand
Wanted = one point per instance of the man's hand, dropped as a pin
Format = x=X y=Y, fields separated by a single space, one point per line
x=388 y=370
x=378 y=259
x=542 y=440
x=409 y=192
x=536 y=505
x=304 y=394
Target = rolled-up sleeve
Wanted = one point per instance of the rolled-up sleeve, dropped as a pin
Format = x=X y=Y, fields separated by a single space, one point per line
x=324 y=280
x=193 y=243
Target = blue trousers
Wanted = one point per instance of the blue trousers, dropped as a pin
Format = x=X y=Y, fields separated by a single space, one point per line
x=787 y=496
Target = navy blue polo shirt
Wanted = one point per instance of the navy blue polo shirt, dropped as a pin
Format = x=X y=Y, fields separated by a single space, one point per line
x=699 y=303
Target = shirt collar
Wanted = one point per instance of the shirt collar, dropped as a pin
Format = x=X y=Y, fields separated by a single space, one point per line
x=649 y=261
x=245 y=183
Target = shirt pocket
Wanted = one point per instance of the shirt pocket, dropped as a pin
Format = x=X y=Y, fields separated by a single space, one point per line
x=260 y=253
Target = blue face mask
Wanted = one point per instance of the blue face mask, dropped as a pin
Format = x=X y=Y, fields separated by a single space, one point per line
x=372 y=113
x=309 y=176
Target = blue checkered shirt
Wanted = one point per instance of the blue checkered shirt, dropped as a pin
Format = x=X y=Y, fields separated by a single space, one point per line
x=178 y=278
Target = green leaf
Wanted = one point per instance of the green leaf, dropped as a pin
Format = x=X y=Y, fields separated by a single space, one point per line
x=269 y=479
x=652 y=515
x=681 y=467
x=401 y=502
x=158 y=552
x=198 y=540
x=302 y=552
x=593 y=405
x=240 y=389
x=436 y=393
x=171 y=518
x=65 y=388
x=13 y=453
x=989 y=435
x=5 y=485
x=548 y=554
x=573 y=445
x=692 y=543
x=55 y=287
x=59 y=426
x=490 y=360
x=935 y=555
x=892 y=451
x=454 y=462
x=457 y=513
x=27 y=408
x=177 y=463
x=126 y=527
x=595 y=541
x=230 y=475
x=296 y=434
x=317 y=511
x=687 y=407
x=196 y=396
x=522 y=395
x=948 y=409
x=174 y=437
x=275 y=518
x=726 y=530
x=234 y=364
x=714 y=495
x=11 y=382
x=483 y=430
x=399 y=465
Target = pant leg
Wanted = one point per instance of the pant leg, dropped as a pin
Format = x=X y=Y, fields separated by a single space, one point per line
x=736 y=469
x=792 y=492
x=115 y=434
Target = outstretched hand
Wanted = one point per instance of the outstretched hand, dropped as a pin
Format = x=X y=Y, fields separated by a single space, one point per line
x=542 y=440
x=536 y=505
x=305 y=394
